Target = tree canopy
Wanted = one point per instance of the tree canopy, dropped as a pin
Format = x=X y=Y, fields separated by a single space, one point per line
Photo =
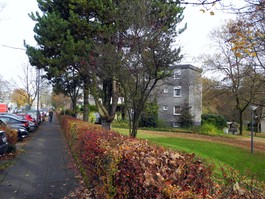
x=241 y=79
x=113 y=46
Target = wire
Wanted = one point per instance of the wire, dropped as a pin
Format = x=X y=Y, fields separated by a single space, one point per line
x=16 y=48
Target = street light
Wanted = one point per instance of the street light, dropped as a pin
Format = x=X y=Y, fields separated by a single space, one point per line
x=38 y=92
x=252 y=108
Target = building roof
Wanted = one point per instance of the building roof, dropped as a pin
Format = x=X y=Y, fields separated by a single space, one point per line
x=187 y=66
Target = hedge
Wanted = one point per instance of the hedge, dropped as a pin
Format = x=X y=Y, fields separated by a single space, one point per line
x=10 y=134
x=117 y=166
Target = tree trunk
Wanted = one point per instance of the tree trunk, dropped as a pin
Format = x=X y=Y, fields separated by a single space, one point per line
x=74 y=108
x=135 y=122
x=105 y=124
x=86 y=102
x=241 y=122
x=133 y=132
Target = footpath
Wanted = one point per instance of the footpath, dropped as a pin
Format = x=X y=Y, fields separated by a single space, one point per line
x=42 y=171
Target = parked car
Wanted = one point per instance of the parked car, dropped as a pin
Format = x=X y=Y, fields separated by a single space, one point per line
x=3 y=142
x=36 y=115
x=26 y=116
x=21 y=131
x=32 y=122
x=13 y=120
x=44 y=111
x=32 y=125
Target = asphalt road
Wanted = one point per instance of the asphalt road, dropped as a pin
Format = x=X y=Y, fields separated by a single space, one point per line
x=42 y=170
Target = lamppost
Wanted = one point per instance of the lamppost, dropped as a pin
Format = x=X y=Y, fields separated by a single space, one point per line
x=252 y=108
x=38 y=92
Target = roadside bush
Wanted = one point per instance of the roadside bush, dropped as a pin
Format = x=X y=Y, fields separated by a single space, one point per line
x=92 y=108
x=92 y=117
x=237 y=186
x=147 y=171
x=120 y=124
x=67 y=112
x=117 y=166
x=11 y=136
x=149 y=117
x=208 y=129
x=162 y=124
x=148 y=121
x=217 y=120
x=185 y=118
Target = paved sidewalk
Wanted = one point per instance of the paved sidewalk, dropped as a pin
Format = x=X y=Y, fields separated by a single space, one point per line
x=41 y=172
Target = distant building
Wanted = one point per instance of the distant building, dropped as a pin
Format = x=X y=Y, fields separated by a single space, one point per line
x=184 y=87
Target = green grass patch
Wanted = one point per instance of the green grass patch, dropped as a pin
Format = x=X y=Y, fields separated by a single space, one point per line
x=239 y=159
x=218 y=154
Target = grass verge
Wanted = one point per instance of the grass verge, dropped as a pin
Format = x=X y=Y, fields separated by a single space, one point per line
x=252 y=165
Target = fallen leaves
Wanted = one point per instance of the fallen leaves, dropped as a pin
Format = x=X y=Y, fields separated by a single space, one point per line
x=8 y=156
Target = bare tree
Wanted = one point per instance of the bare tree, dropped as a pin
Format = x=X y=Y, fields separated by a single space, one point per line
x=5 y=90
x=241 y=78
x=29 y=83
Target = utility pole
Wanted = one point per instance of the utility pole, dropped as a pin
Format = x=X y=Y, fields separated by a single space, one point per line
x=38 y=93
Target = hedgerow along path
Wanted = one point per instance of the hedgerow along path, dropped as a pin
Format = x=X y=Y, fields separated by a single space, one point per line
x=232 y=152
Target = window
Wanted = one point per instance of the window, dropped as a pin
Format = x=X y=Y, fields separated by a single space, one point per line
x=165 y=90
x=177 y=73
x=5 y=119
x=177 y=91
x=165 y=107
x=176 y=110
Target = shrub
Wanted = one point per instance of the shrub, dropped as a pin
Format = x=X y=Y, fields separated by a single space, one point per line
x=120 y=124
x=121 y=167
x=209 y=129
x=147 y=171
x=92 y=108
x=162 y=124
x=185 y=118
x=149 y=117
x=11 y=135
x=92 y=117
x=67 y=112
x=148 y=121
x=217 y=120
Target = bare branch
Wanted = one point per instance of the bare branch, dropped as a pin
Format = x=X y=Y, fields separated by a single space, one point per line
x=200 y=2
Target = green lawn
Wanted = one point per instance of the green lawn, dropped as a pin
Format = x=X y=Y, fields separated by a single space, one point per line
x=219 y=154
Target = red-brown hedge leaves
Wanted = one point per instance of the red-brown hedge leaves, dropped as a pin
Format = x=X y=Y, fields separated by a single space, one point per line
x=11 y=134
x=121 y=167
x=148 y=171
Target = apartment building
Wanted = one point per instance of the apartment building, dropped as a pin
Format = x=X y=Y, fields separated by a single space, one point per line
x=183 y=88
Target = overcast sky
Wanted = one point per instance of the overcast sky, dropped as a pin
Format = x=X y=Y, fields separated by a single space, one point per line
x=16 y=26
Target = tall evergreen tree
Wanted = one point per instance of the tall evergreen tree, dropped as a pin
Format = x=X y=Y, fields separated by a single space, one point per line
x=61 y=44
x=185 y=118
